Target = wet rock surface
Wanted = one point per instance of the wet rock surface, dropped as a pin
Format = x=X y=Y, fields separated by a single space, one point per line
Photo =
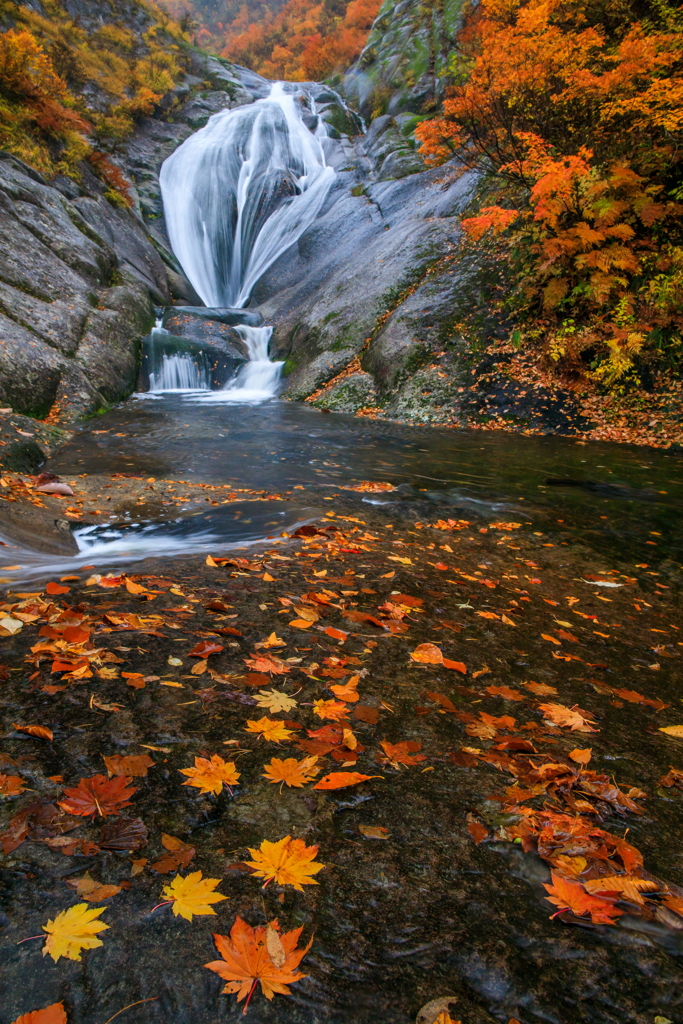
x=397 y=922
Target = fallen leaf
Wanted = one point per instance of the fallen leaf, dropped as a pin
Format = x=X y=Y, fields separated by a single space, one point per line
x=629 y=887
x=94 y=892
x=123 y=834
x=275 y=700
x=11 y=785
x=288 y=862
x=273 y=641
x=673 y=730
x=54 y=1014
x=432 y=1011
x=292 y=772
x=581 y=756
x=339 y=780
x=401 y=753
x=541 y=689
x=572 y=896
x=98 y=795
x=247 y=961
x=505 y=692
x=39 y=731
x=332 y=709
x=374 y=831
x=134 y=679
x=130 y=764
x=427 y=654
x=271 y=729
x=72 y=931
x=179 y=856
x=55 y=588
x=569 y=718
x=457 y=666
x=193 y=895
x=276 y=951
x=476 y=829
x=209 y=776
x=205 y=648
x=336 y=634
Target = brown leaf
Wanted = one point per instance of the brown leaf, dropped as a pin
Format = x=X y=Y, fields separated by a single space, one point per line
x=40 y=731
x=131 y=764
x=179 y=856
x=205 y=648
x=365 y=713
x=476 y=829
x=123 y=834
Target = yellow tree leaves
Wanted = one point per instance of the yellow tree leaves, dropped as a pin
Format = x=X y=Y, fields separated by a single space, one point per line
x=288 y=862
x=271 y=729
x=246 y=960
x=292 y=772
x=72 y=931
x=193 y=895
x=210 y=775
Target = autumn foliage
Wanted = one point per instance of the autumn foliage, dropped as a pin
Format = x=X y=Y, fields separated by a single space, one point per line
x=573 y=112
x=305 y=40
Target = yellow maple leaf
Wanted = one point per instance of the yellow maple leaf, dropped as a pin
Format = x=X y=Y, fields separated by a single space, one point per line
x=275 y=700
x=209 y=776
x=290 y=771
x=193 y=895
x=273 y=641
x=73 y=930
x=270 y=728
x=288 y=862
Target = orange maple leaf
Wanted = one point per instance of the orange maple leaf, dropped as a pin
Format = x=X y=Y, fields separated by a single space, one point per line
x=209 y=776
x=333 y=709
x=427 y=654
x=246 y=961
x=400 y=753
x=288 y=862
x=290 y=771
x=572 y=896
x=571 y=718
x=267 y=663
x=98 y=795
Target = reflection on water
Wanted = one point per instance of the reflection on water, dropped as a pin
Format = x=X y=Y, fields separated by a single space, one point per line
x=619 y=497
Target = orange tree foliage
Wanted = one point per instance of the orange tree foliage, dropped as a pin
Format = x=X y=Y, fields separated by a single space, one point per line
x=303 y=41
x=46 y=61
x=573 y=109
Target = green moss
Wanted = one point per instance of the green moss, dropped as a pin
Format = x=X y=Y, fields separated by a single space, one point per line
x=359 y=190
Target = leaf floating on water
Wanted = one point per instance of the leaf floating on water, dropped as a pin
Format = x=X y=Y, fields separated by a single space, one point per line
x=374 y=831
x=98 y=795
x=572 y=896
x=288 y=862
x=41 y=732
x=193 y=895
x=179 y=856
x=427 y=654
x=673 y=730
x=123 y=834
x=209 y=776
x=275 y=700
x=339 y=780
x=247 y=961
x=291 y=772
x=72 y=931
x=569 y=718
x=131 y=764
x=92 y=891
x=11 y=785
x=271 y=729
x=54 y=1014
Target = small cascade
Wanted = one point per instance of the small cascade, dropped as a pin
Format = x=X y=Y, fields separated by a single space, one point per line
x=181 y=372
x=258 y=379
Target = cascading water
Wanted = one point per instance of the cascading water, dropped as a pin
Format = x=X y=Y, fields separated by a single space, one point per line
x=181 y=372
x=237 y=194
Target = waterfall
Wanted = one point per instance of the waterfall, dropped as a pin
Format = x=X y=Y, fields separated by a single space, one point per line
x=181 y=373
x=242 y=190
x=257 y=380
